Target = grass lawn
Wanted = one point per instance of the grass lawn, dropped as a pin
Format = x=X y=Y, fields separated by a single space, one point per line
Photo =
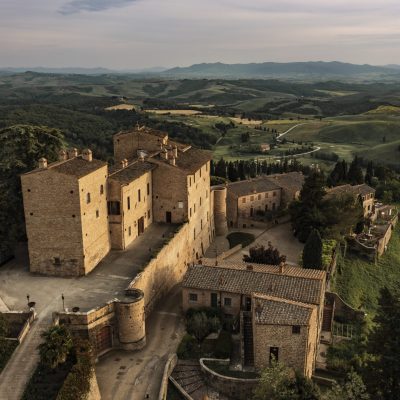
x=242 y=238
x=358 y=281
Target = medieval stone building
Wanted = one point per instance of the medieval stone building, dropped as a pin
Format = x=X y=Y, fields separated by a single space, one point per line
x=280 y=308
x=76 y=209
x=246 y=199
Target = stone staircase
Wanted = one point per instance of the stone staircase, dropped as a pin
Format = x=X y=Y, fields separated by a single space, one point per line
x=22 y=363
x=189 y=376
x=248 y=339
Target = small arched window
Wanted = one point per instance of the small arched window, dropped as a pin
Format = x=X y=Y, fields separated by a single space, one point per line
x=101 y=189
x=88 y=198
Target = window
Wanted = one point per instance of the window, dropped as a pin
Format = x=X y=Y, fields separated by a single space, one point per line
x=148 y=214
x=227 y=302
x=207 y=216
x=200 y=201
x=114 y=208
x=201 y=224
x=194 y=233
x=266 y=195
x=101 y=189
x=138 y=195
x=273 y=354
x=259 y=197
x=57 y=261
x=296 y=329
x=129 y=231
x=148 y=189
x=129 y=202
x=194 y=208
x=180 y=204
x=243 y=199
x=274 y=194
x=190 y=181
x=88 y=198
x=192 y=297
x=97 y=214
x=251 y=198
x=190 y=211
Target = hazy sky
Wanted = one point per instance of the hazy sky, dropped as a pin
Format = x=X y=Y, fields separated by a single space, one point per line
x=125 y=34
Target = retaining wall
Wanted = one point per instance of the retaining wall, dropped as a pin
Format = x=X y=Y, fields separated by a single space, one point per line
x=233 y=388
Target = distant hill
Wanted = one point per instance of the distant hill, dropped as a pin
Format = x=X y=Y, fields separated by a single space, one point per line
x=318 y=69
x=80 y=70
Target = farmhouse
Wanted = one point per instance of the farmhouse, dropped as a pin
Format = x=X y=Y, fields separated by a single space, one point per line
x=246 y=199
x=280 y=308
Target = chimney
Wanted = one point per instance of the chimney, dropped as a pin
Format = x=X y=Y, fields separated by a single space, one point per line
x=87 y=155
x=172 y=161
x=125 y=160
x=42 y=163
x=164 y=154
x=62 y=155
x=73 y=152
x=175 y=151
x=282 y=267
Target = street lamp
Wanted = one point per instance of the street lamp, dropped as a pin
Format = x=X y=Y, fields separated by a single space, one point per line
x=63 y=298
x=27 y=298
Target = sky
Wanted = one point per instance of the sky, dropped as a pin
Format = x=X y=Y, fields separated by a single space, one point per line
x=135 y=34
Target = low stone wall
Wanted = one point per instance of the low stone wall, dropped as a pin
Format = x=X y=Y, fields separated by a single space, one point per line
x=19 y=323
x=343 y=310
x=169 y=367
x=233 y=388
x=229 y=252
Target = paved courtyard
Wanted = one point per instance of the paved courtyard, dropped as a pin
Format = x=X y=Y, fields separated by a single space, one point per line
x=281 y=236
x=105 y=282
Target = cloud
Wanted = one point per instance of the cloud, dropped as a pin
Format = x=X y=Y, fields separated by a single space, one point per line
x=76 y=6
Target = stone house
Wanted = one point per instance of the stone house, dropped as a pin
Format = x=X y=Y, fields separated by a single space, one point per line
x=363 y=192
x=280 y=308
x=245 y=199
x=76 y=210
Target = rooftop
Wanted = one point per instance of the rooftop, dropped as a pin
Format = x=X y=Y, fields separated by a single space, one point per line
x=291 y=180
x=244 y=281
x=358 y=190
x=250 y=186
x=76 y=166
x=274 y=311
x=133 y=171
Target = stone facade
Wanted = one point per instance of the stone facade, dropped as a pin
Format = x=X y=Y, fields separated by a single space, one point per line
x=66 y=216
x=285 y=305
x=76 y=211
x=246 y=199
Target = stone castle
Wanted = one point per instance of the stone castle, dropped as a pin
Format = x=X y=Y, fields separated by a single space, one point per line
x=77 y=208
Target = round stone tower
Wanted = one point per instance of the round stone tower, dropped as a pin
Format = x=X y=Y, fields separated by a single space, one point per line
x=220 y=221
x=131 y=320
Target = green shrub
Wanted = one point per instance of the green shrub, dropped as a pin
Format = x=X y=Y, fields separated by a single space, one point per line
x=186 y=346
x=223 y=345
x=242 y=238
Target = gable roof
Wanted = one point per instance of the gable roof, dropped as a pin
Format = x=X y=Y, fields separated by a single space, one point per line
x=271 y=310
x=290 y=181
x=133 y=171
x=76 y=166
x=251 y=186
x=243 y=281
x=355 y=190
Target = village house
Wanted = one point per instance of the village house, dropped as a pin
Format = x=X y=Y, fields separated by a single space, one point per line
x=363 y=192
x=246 y=199
x=280 y=308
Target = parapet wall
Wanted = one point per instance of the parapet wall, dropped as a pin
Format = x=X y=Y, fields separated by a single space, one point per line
x=233 y=388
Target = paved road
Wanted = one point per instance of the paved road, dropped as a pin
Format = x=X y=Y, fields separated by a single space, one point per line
x=289 y=130
x=132 y=375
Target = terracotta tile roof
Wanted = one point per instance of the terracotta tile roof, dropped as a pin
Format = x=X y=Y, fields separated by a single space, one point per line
x=133 y=171
x=355 y=190
x=247 y=282
x=271 y=310
x=289 y=181
x=250 y=186
x=289 y=270
x=74 y=166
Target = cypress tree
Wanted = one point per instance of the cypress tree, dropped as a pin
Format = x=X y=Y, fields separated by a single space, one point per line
x=312 y=252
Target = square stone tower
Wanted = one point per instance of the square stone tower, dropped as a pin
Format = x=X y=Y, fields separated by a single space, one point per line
x=66 y=214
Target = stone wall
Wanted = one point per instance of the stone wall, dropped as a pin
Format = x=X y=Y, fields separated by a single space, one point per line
x=233 y=388
x=168 y=368
x=297 y=351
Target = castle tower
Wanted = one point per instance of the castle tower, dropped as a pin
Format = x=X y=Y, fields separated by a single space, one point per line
x=131 y=320
x=220 y=220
